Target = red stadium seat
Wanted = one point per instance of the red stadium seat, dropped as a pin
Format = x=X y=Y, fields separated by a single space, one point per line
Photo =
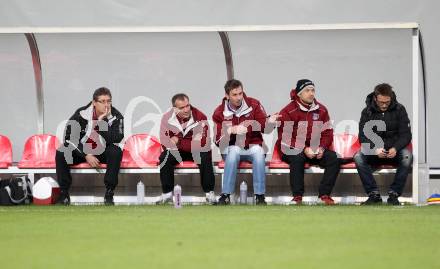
x=39 y=152
x=346 y=146
x=141 y=151
x=5 y=152
x=276 y=161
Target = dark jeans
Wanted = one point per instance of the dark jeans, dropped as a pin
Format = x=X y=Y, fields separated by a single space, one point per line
x=111 y=156
x=168 y=161
x=329 y=162
x=403 y=160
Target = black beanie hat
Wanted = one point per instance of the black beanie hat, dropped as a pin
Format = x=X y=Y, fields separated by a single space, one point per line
x=302 y=83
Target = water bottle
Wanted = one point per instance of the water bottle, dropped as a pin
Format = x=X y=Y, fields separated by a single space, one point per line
x=177 y=196
x=243 y=193
x=140 y=192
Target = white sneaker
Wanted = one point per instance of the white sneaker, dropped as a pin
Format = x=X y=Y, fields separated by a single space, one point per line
x=210 y=198
x=165 y=198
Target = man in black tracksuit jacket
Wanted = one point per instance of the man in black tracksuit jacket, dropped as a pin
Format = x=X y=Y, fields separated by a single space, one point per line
x=384 y=133
x=92 y=135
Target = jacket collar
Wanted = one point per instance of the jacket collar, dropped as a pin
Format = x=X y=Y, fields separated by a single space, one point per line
x=243 y=110
x=87 y=113
x=173 y=121
x=313 y=107
x=371 y=104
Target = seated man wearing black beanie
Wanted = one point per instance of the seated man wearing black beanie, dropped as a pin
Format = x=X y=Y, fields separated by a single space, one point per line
x=305 y=135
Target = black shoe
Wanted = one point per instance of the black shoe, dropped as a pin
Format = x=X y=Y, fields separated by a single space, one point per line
x=260 y=199
x=373 y=199
x=392 y=199
x=224 y=199
x=108 y=197
x=64 y=198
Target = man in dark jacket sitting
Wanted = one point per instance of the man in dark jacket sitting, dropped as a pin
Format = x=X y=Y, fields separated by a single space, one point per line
x=384 y=133
x=92 y=135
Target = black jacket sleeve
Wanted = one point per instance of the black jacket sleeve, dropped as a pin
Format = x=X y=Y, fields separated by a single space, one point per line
x=404 y=132
x=115 y=132
x=72 y=134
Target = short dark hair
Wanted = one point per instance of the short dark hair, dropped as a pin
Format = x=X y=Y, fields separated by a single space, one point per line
x=384 y=89
x=101 y=91
x=232 y=84
x=179 y=96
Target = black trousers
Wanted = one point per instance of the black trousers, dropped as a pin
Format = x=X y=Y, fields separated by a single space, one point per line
x=168 y=161
x=329 y=162
x=112 y=156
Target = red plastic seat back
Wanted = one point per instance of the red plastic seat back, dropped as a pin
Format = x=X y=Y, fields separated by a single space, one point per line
x=346 y=145
x=39 y=152
x=5 y=152
x=141 y=150
x=276 y=155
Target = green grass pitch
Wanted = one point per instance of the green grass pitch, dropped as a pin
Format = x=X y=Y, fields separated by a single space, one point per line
x=219 y=237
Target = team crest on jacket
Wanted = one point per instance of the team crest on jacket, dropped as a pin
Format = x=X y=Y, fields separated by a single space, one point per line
x=315 y=116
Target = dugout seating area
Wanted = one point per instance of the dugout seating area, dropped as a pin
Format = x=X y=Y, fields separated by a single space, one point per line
x=141 y=155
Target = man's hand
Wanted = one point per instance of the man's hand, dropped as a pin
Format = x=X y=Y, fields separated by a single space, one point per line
x=391 y=153
x=309 y=153
x=92 y=161
x=175 y=140
x=237 y=129
x=381 y=153
x=320 y=153
x=106 y=114
x=273 y=119
x=240 y=129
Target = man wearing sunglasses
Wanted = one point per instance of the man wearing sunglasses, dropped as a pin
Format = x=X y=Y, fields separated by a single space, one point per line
x=305 y=136
x=92 y=135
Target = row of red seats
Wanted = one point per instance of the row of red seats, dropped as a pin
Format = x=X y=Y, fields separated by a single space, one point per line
x=142 y=151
